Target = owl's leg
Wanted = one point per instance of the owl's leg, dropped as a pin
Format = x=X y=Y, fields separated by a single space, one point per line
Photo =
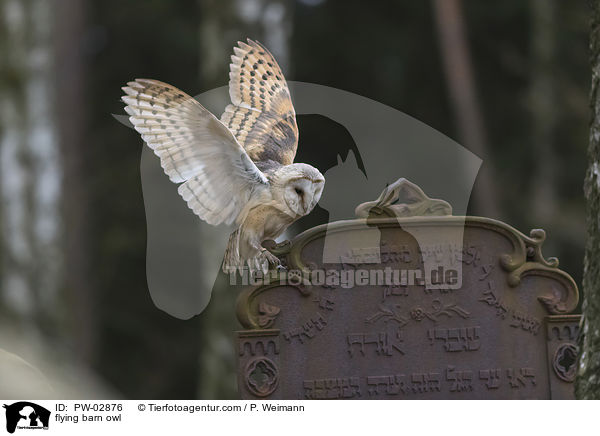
x=264 y=258
x=270 y=257
x=257 y=257
x=231 y=260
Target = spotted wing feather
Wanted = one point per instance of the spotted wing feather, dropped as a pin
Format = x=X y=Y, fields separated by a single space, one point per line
x=195 y=148
x=261 y=114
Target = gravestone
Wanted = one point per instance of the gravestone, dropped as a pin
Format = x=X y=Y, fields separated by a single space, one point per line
x=491 y=320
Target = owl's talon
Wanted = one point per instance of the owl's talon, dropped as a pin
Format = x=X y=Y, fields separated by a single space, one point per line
x=270 y=257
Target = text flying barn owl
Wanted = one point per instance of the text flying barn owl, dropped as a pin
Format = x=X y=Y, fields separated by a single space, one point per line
x=239 y=168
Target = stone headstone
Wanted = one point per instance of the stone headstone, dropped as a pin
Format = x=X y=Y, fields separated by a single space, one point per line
x=493 y=319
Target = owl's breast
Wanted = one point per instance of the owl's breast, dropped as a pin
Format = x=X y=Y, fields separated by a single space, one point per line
x=267 y=221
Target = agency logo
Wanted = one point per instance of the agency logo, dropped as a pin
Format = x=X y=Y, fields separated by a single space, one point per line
x=26 y=415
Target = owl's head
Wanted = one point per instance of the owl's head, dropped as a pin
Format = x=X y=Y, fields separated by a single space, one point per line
x=301 y=186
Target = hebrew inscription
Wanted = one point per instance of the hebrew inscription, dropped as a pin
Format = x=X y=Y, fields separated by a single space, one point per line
x=381 y=343
x=456 y=339
x=450 y=380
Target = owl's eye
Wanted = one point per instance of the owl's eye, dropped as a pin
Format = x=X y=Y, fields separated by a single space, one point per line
x=299 y=191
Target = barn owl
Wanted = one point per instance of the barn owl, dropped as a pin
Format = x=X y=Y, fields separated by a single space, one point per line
x=239 y=169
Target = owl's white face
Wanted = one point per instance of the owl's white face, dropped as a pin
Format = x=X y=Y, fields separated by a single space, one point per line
x=302 y=194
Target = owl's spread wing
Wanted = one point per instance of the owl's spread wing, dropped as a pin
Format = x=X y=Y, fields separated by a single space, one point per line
x=194 y=147
x=261 y=114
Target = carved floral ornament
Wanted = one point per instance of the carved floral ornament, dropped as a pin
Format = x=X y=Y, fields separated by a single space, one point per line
x=262 y=376
x=565 y=362
x=403 y=199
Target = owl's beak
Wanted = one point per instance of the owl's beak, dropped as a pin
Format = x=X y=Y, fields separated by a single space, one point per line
x=316 y=197
x=305 y=206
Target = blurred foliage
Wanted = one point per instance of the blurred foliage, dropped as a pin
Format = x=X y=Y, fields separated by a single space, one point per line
x=144 y=352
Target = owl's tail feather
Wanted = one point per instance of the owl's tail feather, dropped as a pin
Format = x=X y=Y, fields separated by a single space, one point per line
x=231 y=260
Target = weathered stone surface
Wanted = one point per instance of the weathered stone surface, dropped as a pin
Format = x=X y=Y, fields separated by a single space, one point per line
x=505 y=332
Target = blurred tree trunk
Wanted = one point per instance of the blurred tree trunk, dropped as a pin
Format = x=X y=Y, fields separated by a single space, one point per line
x=223 y=24
x=70 y=114
x=588 y=377
x=463 y=97
x=30 y=167
x=543 y=107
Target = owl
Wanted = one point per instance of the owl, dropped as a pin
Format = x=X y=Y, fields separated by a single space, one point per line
x=239 y=168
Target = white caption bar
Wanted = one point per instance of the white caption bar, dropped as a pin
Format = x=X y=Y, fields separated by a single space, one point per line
x=296 y=417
